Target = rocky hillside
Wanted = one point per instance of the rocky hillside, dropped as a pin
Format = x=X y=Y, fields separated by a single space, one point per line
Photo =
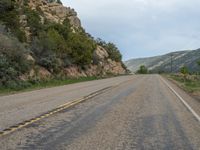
x=163 y=63
x=42 y=39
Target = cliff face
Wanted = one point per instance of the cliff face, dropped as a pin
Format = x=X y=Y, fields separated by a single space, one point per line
x=52 y=11
x=101 y=64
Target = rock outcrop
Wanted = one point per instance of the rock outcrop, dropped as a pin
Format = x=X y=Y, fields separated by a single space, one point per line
x=56 y=12
x=53 y=11
x=102 y=60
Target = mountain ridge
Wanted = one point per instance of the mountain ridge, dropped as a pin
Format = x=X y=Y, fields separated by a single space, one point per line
x=162 y=63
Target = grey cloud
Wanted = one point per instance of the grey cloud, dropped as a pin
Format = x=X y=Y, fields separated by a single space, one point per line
x=142 y=27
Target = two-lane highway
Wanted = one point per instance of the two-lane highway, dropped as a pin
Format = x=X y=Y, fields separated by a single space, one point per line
x=20 y=107
x=141 y=112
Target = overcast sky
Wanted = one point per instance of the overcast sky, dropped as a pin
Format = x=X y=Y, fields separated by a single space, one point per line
x=142 y=28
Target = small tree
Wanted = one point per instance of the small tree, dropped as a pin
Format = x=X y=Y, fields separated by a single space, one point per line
x=198 y=62
x=143 y=70
x=184 y=71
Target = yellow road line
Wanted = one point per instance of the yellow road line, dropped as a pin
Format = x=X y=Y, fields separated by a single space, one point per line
x=54 y=111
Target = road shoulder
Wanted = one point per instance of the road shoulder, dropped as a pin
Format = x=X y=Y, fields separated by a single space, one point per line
x=193 y=102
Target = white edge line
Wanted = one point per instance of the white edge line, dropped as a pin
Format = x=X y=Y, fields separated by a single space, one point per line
x=183 y=101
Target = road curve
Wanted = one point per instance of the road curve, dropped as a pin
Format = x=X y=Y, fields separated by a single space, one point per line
x=140 y=113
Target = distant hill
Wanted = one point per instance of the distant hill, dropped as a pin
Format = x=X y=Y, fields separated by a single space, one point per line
x=163 y=63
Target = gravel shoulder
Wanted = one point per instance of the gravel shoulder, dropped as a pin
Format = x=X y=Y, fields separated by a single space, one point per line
x=191 y=99
x=195 y=94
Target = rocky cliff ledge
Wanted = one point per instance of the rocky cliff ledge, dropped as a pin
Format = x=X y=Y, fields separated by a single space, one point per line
x=53 y=11
x=56 y=12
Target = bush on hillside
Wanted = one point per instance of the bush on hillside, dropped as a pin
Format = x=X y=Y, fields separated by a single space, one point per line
x=33 y=21
x=184 y=70
x=198 y=63
x=82 y=48
x=57 y=41
x=63 y=29
x=52 y=63
x=12 y=60
x=113 y=52
x=143 y=70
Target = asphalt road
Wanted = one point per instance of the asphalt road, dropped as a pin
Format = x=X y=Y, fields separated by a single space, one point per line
x=138 y=112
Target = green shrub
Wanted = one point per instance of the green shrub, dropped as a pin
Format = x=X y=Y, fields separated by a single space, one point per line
x=6 y=6
x=33 y=21
x=59 y=1
x=57 y=41
x=198 y=63
x=82 y=48
x=143 y=70
x=41 y=45
x=12 y=60
x=113 y=52
x=52 y=63
x=184 y=70
x=20 y=35
x=63 y=29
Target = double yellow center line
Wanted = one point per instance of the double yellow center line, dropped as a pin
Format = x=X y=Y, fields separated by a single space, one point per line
x=54 y=111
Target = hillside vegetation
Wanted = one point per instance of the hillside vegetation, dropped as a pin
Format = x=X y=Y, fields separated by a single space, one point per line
x=37 y=43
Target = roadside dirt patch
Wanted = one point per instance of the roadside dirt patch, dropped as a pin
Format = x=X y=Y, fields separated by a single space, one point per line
x=196 y=95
